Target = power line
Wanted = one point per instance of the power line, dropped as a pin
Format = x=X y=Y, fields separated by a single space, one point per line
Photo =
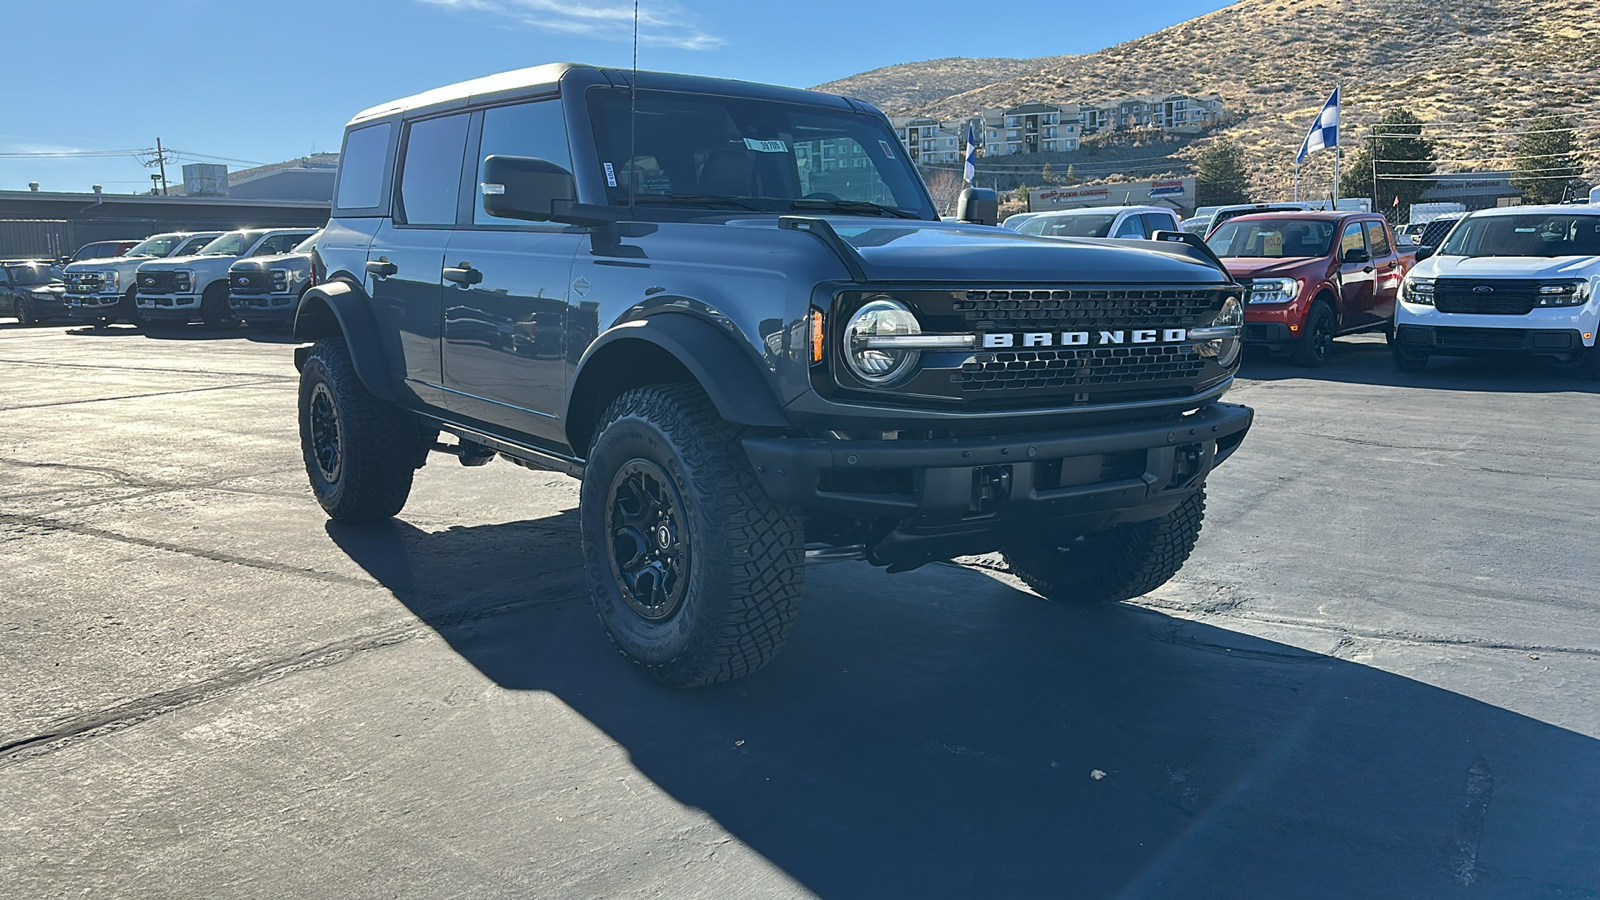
x=65 y=154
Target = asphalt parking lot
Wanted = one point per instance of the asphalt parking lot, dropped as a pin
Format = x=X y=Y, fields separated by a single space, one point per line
x=1379 y=675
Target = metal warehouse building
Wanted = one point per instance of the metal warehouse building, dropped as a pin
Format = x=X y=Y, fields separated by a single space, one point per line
x=48 y=225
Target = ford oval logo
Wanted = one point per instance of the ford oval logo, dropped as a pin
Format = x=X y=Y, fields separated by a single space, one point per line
x=1483 y=289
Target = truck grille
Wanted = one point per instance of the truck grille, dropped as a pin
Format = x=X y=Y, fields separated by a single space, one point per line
x=158 y=282
x=1496 y=297
x=1033 y=369
x=250 y=282
x=84 y=282
x=1083 y=308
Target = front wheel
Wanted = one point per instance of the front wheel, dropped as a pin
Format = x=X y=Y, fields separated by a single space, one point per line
x=695 y=573
x=214 y=309
x=358 y=449
x=24 y=312
x=1407 y=360
x=1315 y=347
x=1115 y=564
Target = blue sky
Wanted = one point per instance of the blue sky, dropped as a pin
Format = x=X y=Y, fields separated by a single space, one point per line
x=265 y=82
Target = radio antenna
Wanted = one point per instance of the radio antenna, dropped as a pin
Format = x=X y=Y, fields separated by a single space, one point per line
x=633 y=114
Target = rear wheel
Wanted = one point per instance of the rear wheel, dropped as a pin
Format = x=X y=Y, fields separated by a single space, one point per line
x=695 y=573
x=1315 y=347
x=1407 y=360
x=358 y=450
x=1116 y=564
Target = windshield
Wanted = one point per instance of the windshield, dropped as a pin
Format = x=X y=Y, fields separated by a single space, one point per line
x=30 y=274
x=194 y=245
x=701 y=151
x=1533 y=234
x=1277 y=239
x=158 y=246
x=307 y=245
x=234 y=243
x=1096 y=225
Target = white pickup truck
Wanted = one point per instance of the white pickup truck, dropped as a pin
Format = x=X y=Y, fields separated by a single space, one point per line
x=178 y=290
x=1524 y=279
x=100 y=291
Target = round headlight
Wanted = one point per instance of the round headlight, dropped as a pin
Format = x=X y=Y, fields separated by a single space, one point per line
x=880 y=317
x=1226 y=350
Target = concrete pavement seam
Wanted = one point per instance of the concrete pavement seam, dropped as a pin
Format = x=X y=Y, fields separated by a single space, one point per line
x=220 y=387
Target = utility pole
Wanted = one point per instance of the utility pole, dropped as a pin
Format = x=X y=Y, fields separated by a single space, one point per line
x=1376 y=206
x=161 y=160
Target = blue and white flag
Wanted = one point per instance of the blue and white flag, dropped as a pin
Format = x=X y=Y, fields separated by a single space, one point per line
x=1324 y=133
x=971 y=170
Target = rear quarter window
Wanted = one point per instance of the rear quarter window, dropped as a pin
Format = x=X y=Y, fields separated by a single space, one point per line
x=361 y=167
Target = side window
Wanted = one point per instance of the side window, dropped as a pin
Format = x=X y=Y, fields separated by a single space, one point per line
x=192 y=246
x=534 y=129
x=273 y=245
x=430 y=173
x=361 y=167
x=1131 y=227
x=1378 y=239
x=1352 y=239
x=1154 y=222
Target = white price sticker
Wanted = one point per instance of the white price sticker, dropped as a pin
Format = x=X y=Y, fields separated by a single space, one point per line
x=766 y=146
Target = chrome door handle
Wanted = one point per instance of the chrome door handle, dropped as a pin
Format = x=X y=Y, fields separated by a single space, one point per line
x=463 y=274
x=381 y=267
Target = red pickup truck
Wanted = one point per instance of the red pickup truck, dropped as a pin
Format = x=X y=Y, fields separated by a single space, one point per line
x=1311 y=276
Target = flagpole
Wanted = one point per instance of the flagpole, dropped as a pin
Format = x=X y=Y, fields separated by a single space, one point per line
x=1338 y=149
x=1297 y=181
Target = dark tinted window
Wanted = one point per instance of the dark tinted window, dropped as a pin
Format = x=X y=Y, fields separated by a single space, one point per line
x=361 y=167
x=278 y=243
x=1154 y=222
x=1131 y=227
x=1378 y=239
x=527 y=129
x=430 y=176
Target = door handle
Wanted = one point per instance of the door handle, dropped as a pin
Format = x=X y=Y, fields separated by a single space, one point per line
x=381 y=267
x=1367 y=270
x=463 y=274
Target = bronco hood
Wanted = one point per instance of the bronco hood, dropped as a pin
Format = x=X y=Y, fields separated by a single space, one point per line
x=947 y=252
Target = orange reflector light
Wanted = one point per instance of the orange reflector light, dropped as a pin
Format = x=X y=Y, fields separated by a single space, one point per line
x=816 y=336
x=1587 y=335
x=1294 y=327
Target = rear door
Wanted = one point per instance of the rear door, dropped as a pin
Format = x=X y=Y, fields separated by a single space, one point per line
x=1355 y=276
x=1130 y=226
x=1154 y=222
x=1387 y=272
x=406 y=259
x=505 y=294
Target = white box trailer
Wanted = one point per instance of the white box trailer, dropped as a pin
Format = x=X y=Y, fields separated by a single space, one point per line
x=1423 y=213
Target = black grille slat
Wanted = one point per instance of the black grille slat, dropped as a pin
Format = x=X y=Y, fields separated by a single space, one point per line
x=158 y=282
x=1090 y=367
x=1497 y=297
x=250 y=282
x=1078 y=309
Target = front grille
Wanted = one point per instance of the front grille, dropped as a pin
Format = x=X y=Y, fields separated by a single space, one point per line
x=250 y=282
x=158 y=282
x=84 y=282
x=1084 y=308
x=1090 y=367
x=1496 y=297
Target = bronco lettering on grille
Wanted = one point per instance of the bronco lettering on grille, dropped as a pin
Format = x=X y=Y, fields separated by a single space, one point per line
x=1119 y=337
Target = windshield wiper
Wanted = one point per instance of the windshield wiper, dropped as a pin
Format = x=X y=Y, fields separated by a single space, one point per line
x=696 y=200
x=856 y=206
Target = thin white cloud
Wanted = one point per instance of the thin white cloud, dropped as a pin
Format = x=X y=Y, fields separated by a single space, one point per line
x=660 y=24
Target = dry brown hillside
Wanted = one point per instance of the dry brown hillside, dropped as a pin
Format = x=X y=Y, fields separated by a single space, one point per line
x=1481 y=65
x=911 y=85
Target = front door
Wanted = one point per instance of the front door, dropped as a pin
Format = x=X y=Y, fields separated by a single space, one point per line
x=1387 y=271
x=1355 y=277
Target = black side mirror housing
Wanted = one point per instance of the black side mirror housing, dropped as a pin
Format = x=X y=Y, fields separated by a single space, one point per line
x=979 y=206
x=1355 y=257
x=526 y=188
x=1425 y=252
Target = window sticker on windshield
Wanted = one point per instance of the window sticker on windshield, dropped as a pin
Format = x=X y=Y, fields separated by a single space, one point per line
x=766 y=146
x=1272 y=244
x=611 y=176
x=1525 y=230
x=886 y=150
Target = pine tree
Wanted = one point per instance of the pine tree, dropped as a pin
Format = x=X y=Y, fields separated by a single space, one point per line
x=1046 y=176
x=1071 y=176
x=1024 y=197
x=1401 y=150
x=1546 y=170
x=1220 y=175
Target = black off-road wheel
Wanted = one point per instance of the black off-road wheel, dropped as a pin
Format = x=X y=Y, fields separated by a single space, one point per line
x=359 y=450
x=1407 y=360
x=1116 y=564
x=214 y=308
x=1315 y=347
x=695 y=573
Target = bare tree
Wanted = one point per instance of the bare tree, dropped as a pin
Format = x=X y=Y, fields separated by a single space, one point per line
x=946 y=187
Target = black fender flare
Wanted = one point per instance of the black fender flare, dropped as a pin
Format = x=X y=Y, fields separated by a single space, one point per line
x=339 y=310
x=737 y=386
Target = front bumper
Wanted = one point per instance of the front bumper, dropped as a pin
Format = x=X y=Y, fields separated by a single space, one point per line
x=967 y=495
x=92 y=307
x=263 y=307
x=1464 y=341
x=173 y=307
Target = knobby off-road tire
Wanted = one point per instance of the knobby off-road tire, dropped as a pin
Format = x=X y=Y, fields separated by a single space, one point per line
x=711 y=597
x=358 y=449
x=1315 y=347
x=1116 y=564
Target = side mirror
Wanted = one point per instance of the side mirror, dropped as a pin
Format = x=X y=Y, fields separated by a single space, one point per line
x=1425 y=252
x=524 y=187
x=1356 y=257
x=979 y=206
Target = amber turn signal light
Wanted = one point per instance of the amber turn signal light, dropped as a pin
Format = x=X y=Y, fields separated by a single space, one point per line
x=816 y=335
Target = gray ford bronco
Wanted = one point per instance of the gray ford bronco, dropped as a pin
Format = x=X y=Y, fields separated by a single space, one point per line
x=733 y=312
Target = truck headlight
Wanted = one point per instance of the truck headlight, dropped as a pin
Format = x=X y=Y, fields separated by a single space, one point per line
x=880 y=317
x=183 y=280
x=1274 y=290
x=1221 y=339
x=108 y=281
x=281 y=279
x=1564 y=293
x=1419 y=291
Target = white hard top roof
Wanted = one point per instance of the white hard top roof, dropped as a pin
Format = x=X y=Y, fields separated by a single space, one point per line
x=1102 y=209
x=1549 y=209
x=463 y=90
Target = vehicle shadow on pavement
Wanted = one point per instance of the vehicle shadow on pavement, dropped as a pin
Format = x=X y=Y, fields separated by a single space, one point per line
x=1368 y=362
x=941 y=733
x=187 y=333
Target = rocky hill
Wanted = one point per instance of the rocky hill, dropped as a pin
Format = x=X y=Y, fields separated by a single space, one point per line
x=913 y=85
x=1477 y=67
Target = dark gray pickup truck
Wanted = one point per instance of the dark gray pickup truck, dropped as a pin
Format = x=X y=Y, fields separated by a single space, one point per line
x=733 y=311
